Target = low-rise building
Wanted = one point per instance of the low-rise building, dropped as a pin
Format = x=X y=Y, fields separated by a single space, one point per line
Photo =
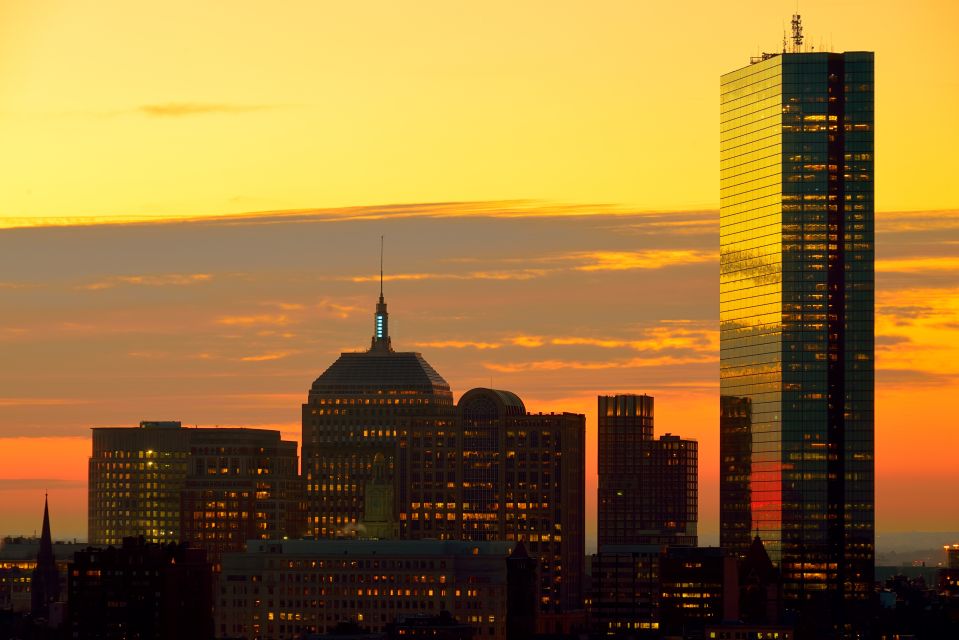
x=287 y=588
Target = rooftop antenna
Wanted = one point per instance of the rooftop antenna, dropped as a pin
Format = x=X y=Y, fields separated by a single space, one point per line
x=381 y=267
x=797 y=32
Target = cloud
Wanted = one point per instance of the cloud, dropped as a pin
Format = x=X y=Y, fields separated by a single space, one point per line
x=40 y=402
x=530 y=342
x=916 y=221
x=918 y=265
x=916 y=334
x=513 y=274
x=630 y=363
x=27 y=484
x=267 y=357
x=182 y=109
x=163 y=280
x=277 y=319
x=458 y=344
x=649 y=259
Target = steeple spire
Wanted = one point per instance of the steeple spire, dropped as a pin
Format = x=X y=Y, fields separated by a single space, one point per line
x=45 y=585
x=381 y=328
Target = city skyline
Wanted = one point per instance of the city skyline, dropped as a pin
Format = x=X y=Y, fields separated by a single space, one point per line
x=92 y=312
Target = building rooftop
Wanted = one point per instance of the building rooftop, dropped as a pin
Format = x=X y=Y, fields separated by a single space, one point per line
x=366 y=548
x=380 y=372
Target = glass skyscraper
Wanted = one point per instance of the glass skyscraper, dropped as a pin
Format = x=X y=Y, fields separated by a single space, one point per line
x=796 y=314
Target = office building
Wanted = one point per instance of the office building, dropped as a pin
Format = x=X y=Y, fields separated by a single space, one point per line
x=388 y=456
x=214 y=488
x=648 y=488
x=352 y=418
x=285 y=588
x=796 y=322
x=141 y=590
x=498 y=472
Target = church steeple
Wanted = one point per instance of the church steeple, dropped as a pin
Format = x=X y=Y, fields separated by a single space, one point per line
x=381 y=326
x=45 y=585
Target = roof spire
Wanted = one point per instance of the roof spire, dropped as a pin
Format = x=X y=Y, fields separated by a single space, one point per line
x=45 y=582
x=381 y=328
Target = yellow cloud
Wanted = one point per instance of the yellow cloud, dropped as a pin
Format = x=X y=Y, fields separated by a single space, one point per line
x=256 y=319
x=266 y=357
x=458 y=344
x=530 y=342
x=651 y=259
x=180 y=109
x=632 y=363
x=164 y=280
x=916 y=331
x=918 y=265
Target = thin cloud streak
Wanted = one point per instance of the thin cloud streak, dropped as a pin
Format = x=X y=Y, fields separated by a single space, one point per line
x=163 y=280
x=633 y=363
x=182 y=109
x=458 y=344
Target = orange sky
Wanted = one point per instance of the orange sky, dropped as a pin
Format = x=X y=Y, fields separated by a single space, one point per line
x=113 y=112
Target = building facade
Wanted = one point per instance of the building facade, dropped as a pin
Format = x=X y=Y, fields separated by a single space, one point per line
x=648 y=488
x=796 y=320
x=214 y=488
x=141 y=590
x=352 y=417
x=497 y=472
x=282 y=589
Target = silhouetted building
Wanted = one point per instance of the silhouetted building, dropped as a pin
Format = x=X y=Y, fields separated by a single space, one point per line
x=215 y=488
x=797 y=322
x=626 y=591
x=697 y=584
x=355 y=412
x=281 y=589
x=648 y=489
x=436 y=627
x=952 y=556
x=141 y=590
x=45 y=582
x=521 y=603
x=497 y=472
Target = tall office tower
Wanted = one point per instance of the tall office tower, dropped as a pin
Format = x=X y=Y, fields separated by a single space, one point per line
x=648 y=489
x=796 y=317
x=498 y=472
x=214 y=488
x=353 y=414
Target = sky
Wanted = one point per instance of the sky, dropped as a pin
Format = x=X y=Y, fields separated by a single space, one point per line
x=546 y=175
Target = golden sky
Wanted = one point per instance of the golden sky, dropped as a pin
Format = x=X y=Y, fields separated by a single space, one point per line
x=539 y=139
x=180 y=108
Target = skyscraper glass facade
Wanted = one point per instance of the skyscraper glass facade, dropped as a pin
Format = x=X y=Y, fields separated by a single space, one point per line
x=796 y=313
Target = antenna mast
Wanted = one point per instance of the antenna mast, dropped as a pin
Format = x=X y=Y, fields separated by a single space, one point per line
x=797 y=33
x=381 y=267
